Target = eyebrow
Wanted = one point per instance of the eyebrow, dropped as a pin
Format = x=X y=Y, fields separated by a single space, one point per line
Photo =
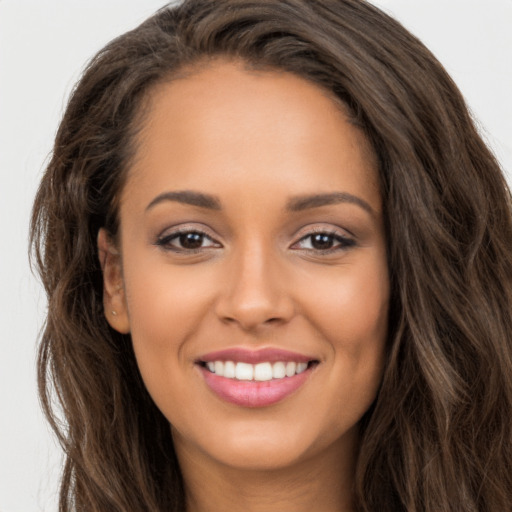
x=305 y=202
x=294 y=204
x=188 y=197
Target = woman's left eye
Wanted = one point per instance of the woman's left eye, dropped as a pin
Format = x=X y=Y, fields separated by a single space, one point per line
x=324 y=242
x=186 y=241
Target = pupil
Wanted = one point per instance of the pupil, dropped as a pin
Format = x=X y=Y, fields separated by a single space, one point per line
x=191 y=240
x=322 y=241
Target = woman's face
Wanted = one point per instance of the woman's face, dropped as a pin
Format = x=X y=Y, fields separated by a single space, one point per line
x=253 y=267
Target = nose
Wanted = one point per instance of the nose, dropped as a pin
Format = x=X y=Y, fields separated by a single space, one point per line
x=255 y=293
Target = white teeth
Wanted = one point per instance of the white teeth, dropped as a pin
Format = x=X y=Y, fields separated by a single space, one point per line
x=258 y=372
x=278 y=370
x=219 y=367
x=301 y=367
x=243 y=371
x=263 y=371
x=229 y=370
x=290 y=369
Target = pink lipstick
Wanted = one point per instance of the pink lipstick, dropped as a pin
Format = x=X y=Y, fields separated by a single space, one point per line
x=255 y=378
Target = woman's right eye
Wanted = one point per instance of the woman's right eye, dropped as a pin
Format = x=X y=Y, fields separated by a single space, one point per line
x=189 y=241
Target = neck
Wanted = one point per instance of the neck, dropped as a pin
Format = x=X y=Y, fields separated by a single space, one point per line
x=323 y=483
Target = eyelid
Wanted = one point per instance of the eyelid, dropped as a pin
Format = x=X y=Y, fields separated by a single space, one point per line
x=163 y=240
x=343 y=237
x=344 y=240
x=312 y=229
x=186 y=228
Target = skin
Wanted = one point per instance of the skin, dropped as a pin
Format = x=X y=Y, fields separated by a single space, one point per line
x=254 y=140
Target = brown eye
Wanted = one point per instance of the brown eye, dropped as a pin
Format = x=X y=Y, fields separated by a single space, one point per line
x=322 y=241
x=186 y=241
x=191 y=240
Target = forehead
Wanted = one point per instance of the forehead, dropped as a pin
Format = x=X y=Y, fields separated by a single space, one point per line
x=226 y=123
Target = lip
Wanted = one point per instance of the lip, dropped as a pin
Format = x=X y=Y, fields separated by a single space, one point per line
x=254 y=393
x=243 y=355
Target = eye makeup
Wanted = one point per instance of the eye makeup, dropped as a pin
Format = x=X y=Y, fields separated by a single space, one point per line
x=317 y=241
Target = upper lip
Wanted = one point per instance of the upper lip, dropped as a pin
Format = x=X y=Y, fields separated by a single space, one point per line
x=244 y=355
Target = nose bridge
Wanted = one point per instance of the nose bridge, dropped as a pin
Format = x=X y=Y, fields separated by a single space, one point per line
x=255 y=292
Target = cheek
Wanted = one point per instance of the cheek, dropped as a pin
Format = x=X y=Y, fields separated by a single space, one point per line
x=351 y=313
x=164 y=314
x=163 y=300
x=351 y=309
x=166 y=307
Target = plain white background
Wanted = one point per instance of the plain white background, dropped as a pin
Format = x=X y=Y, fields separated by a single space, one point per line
x=44 y=45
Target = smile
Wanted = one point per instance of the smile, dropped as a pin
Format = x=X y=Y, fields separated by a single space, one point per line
x=255 y=378
x=256 y=372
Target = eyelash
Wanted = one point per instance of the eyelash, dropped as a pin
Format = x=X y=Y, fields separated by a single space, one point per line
x=165 y=241
x=344 y=242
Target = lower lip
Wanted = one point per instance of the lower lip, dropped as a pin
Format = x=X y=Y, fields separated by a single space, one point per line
x=249 y=393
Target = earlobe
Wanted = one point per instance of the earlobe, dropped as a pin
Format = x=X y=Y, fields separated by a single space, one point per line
x=114 y=297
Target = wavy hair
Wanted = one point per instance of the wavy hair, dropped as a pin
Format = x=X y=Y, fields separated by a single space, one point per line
x=438 y=437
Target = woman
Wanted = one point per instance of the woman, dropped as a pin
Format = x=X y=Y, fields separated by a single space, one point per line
x=277 y=256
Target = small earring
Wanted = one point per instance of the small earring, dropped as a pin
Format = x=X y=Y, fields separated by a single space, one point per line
x=114 y=312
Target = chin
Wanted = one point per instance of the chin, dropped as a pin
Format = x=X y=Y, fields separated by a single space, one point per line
x=259 y=455
x=268 y=445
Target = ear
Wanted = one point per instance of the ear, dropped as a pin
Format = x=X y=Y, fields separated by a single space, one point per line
x=114 y=297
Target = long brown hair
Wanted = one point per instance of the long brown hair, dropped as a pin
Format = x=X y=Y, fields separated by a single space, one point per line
x=439 y=436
